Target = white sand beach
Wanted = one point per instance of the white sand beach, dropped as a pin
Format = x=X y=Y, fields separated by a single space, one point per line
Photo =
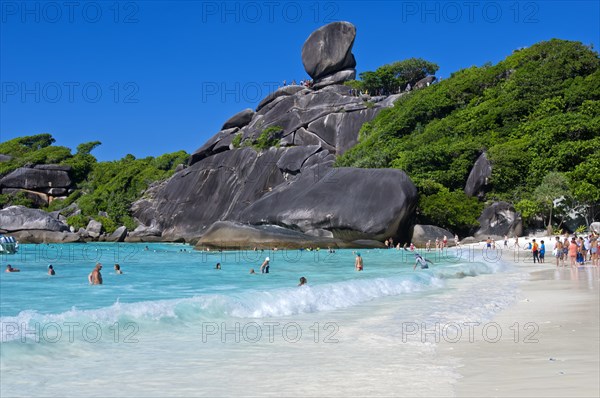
x=556 y=351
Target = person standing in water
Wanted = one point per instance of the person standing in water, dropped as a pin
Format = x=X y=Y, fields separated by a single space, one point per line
x=118 y=269
x=95 y=277
x=303 y=281
x=51 y=270
x=419 y=260
x=358 y=263
x=264 y=268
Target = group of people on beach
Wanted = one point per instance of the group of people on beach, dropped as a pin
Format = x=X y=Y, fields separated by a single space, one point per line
x=578 y=250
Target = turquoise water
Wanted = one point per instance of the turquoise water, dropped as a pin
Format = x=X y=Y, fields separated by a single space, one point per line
x=172 y=314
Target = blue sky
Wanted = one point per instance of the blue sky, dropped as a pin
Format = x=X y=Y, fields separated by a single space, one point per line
x=151 y=77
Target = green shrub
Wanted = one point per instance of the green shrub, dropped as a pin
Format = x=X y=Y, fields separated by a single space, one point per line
x=78 y=221
x=237 y=141
x=268 y=138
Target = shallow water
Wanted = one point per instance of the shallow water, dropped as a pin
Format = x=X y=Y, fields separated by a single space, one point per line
x=174 y=325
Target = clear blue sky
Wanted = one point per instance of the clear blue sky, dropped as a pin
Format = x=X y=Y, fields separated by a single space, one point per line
x=150 y=77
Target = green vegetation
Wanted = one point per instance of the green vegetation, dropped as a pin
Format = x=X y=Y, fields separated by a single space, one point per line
x=537 y=113
x=391 y=78
x=271 y=136
x=237 y=141
x=109 y=187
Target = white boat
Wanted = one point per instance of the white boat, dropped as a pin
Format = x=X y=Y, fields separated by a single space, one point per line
x=8 y=245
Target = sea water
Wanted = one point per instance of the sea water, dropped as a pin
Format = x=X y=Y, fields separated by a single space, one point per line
x=174 y=325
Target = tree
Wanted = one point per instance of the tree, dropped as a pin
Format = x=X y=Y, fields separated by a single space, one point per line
x=452 y=210
x=553 y=186
x=87 y=147
x=392 y=77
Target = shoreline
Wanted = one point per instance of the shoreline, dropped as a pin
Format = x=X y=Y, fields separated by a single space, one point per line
x=550 y=342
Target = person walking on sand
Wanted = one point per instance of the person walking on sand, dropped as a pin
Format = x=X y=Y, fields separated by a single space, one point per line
x=535 y=251
x=558 y=251
x=264 y=268
x=542 y=252
x=358 y=263
x=506 y=241
x=95 y=277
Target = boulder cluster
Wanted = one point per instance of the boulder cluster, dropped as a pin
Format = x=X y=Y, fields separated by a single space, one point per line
x=267 y=178
x=41 y=183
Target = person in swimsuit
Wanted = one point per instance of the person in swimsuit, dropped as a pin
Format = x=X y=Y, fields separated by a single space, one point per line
x=303 y=281
x=95 y=277
x=558 y=250
x=358 y=264
x=51 y=270
x=9 y=268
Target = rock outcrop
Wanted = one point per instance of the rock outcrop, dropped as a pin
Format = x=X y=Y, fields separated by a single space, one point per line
x=328 y=50
x=478 y=177
x=17 y=218
x=118 y=236
x=40 y=183
x=94 y=228
x=239 y=120
x=498 y=220
x=290 y=192
x=38 y=178
x=423 y=233
x=336 y=204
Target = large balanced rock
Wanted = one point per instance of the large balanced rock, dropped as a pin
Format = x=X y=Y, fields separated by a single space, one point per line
x=36 y=178
x=423 y=233
x=351 y=203
x=17 y=218
x=478 y=178
x=329 y=50
x=498 y=220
